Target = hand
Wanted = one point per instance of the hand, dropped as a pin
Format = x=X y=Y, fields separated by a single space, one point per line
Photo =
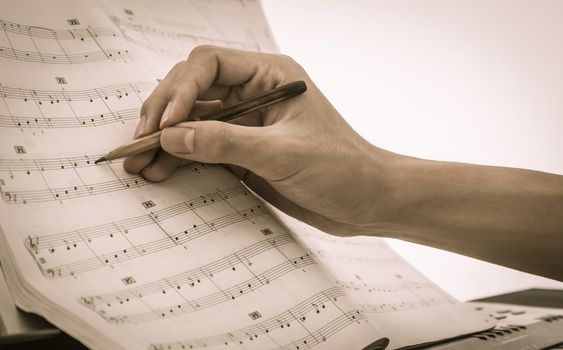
x=302 y=157
x=299 y=155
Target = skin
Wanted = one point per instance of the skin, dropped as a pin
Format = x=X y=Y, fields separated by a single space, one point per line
x=301 y=156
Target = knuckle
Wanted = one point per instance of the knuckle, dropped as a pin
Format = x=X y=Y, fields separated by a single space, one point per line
x=177 y=66
x=173 y=90
x=287 y=61
x=285 y=58
x=220 y=143
x=289 y=66
x=145 y=106
x=203 y=50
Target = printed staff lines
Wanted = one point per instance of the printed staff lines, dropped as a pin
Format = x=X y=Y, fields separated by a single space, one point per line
x=70 y=122
x=47 y=164
x=219 y=297
x=118 y=90
x=315 y=303
x=60 y=34
x=53 y=241
x=325 y=332
x=84 y=190
x=419 y=297
x=313 y=339
x=148 y=30
x=140 y=250
x=191 y=277
x=65 y=58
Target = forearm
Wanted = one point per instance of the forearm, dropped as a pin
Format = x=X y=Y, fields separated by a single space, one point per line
x=304 y=158
x=512 y=217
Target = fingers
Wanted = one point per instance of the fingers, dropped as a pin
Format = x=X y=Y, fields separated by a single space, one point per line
x=154 y=105
x=210 y=73
x=218 y=142
x=137 y=163
x=206 y=73
x=162 y=165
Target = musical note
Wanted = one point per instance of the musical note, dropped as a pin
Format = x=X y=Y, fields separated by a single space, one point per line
x=80 y=36
x=151 y=38
x=99 y=119
x=48 y=164
x=223 y=295
x=43 y=241
x=186 y=278
x=55 y=58
x=103 y=95
x=85 y=189
x=66 y=34
x=104 y=92
x=265 y=327
x=136 y=251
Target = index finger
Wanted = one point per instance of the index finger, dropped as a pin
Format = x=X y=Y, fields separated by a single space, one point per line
x=212 y=72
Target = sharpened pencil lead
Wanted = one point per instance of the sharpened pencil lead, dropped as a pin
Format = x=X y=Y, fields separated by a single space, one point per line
x=103 y=159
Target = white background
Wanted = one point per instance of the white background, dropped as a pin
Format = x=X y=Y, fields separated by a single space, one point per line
x=477 y=81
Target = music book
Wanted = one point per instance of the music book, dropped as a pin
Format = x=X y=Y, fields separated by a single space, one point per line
x=195 y=261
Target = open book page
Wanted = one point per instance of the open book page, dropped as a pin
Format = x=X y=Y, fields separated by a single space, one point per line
x=164 y=33
x=407 y=306
x=192 y=262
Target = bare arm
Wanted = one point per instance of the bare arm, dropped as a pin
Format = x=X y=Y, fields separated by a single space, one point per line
x=302 y=157
x=512 y=217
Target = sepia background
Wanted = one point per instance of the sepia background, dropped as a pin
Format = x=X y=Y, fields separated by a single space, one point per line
x=476 y=81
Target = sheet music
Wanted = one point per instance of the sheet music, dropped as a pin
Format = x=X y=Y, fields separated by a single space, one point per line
x=393 y=294
x=192 y=262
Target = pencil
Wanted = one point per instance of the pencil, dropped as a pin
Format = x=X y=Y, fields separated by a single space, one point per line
x=152 y=141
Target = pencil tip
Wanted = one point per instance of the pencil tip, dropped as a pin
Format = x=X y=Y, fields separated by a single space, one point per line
x=103 y=159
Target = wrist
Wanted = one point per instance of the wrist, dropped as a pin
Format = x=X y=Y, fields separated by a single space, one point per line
x=404 y=184
x=383 y=183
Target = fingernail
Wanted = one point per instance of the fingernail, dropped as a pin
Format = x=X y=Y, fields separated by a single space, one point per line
x=140 y=130
x=166 y=114
x=178 y=140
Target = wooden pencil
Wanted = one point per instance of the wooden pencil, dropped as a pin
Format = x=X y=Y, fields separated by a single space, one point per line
x=152 y=140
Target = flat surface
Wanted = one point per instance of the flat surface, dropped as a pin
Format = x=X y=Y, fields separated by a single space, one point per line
x=551 y=298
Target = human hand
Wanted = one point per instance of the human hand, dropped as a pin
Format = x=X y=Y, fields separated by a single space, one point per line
x=300 y=155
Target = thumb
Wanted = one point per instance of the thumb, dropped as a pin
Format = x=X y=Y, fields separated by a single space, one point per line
x=218 y=142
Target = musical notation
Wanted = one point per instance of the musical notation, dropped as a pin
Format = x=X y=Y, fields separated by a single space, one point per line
x=138 y=250
x=42 y=247
x=46 y=164
x=70 y=122
x=313 y=339
x=87 y=189
x=85 y=38
x=156 y=39
x=102 y=95
x=190 y=278
x=39 y=242
x=221 y=296
x=65 y=58
x=154 y=265
x=64 y=34
x=53 y=96
x=313 y=306
x=399 y=296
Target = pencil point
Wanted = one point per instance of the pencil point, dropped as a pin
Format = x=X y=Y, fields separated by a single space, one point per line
x=103 y=159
